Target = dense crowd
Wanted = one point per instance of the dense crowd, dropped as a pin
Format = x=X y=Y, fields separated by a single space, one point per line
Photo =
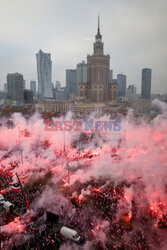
x=5 y=178
x=94 y=217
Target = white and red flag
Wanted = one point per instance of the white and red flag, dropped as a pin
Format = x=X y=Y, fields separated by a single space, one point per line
x=16 y=187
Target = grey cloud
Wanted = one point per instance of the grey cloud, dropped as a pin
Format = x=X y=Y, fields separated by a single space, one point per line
x=134 y=34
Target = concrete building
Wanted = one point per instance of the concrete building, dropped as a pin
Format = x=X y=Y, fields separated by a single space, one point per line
x=28 y=96
x=60 y=94
x=81 y=74
x=141 y=107
x=33 y=87
x=146 y=84
x=15 y=87
x=3 y=95
x=52 y=106
x=71 y=82
x=58 y=85
x=98 y=66
x=78 y=108
x=163 y=98
x=5 y=87
x=131 y=93
x=98 y=88
x=44 y=70
x=24 y=84
x=121 y=79
x=112 y=91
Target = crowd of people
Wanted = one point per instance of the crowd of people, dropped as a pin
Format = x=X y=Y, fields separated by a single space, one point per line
x=94 y=217
x=5 y=179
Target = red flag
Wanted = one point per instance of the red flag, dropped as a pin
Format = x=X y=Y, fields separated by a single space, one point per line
x=28 y=205
x=93 y=233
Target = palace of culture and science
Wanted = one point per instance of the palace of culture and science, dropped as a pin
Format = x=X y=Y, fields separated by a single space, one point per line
x=98 y=88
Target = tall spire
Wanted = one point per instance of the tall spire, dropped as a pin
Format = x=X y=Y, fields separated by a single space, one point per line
x=98 y=36
x=98 y=45
x=98 y=31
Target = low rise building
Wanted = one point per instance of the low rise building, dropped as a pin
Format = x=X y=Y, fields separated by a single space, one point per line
x=52 y=106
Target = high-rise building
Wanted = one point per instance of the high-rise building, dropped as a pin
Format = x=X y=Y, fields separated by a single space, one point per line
x=28 y=96
x=3 y=95
x=98 y=87
x=5 y=87
x=71 y=82
x=121 y=79
x=61 y=94
x=81 y=74
x=15 y=87
x=110 y=75
x=98 y=66
x=44 y=70
x=58 y=85
x=33 y=87
x=131 y=93
x=146 y=83
x=24 y=84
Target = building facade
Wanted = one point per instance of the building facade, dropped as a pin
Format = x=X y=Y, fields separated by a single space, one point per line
x=131 y=93
x=28 y=96
x=15 y=87
x=33 y=87
x=5 y=87
x=52 y=106
x=44 y=72
x=121 y=79
x=98 y=87
x=71 y=82
x=60 y=94
x=78 y=108
x=3 y=95
x=98 y=66
x=81 y=74
x=58 y=85
x=24 y=84
x=146 y=83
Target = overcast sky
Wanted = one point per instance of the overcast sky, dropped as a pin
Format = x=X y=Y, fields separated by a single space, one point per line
x=134 y=34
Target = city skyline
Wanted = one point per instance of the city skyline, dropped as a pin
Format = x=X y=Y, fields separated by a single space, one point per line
x=133 y=32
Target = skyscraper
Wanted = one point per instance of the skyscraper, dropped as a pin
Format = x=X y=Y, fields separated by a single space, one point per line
x=24 y=84
x=58 y=85
x=71 y=82
x=98 y=87
x=3 y=95
x=131 y=93
x=98 y=66
x=61 y=94
x=28 y=96
x=44 y=70
x=5 y=87
x=33 y=87
x=146 y=83
x=81 y=74
x=15 y=87
x=121 y=79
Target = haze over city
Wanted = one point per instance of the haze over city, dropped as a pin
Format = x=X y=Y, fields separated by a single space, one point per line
x=134 y=34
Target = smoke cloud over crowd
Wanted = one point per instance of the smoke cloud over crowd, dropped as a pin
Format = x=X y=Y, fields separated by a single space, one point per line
x=123 y=172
